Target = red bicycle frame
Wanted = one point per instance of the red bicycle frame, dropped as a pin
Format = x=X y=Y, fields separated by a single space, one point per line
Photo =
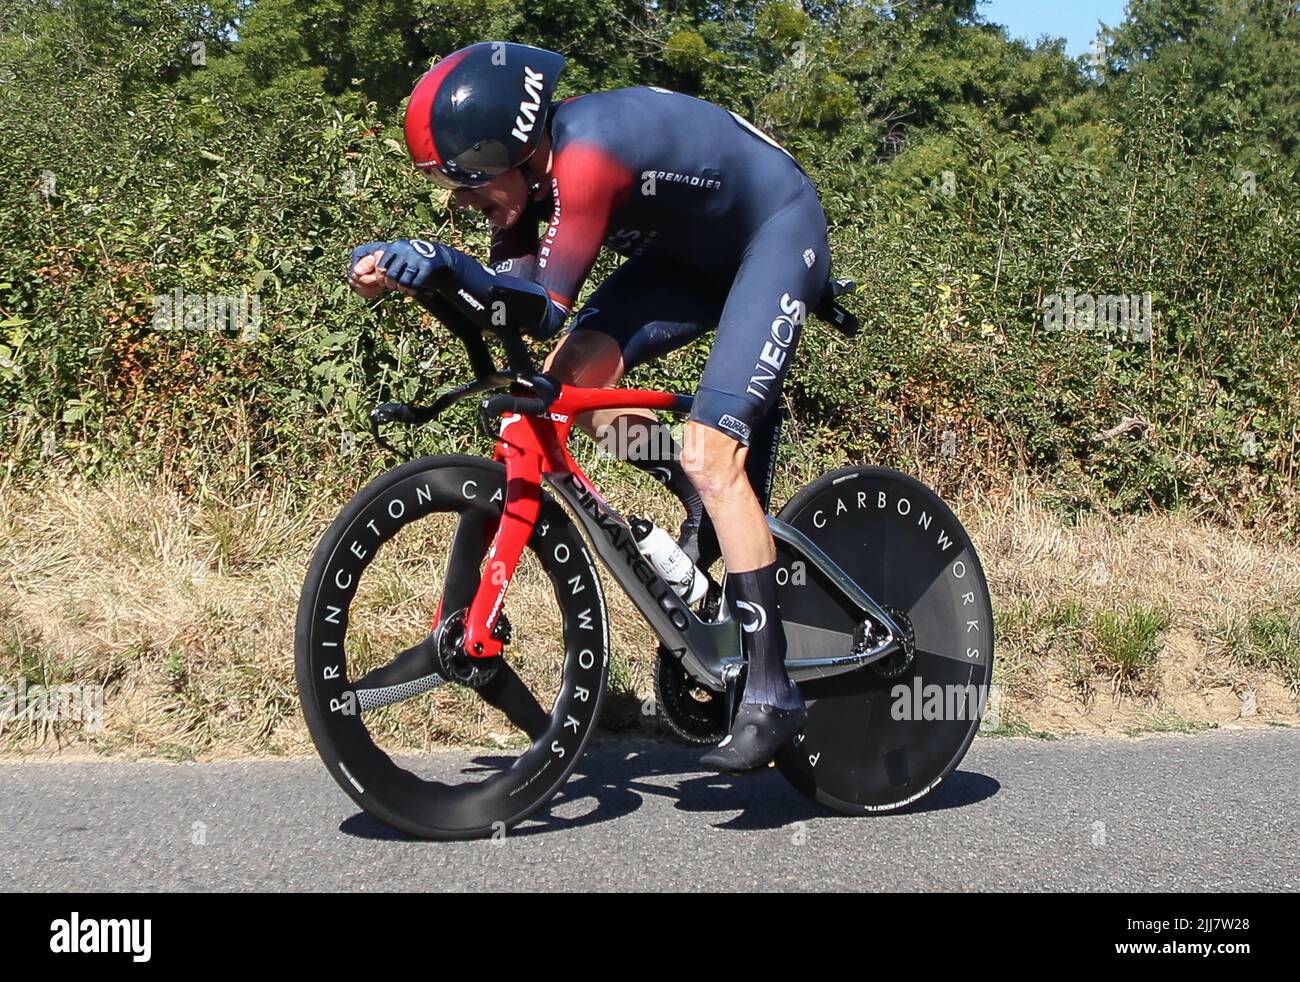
x=530 y=446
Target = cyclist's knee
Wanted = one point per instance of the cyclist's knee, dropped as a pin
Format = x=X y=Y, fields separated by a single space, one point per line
x=586 y=358
x=714 y=461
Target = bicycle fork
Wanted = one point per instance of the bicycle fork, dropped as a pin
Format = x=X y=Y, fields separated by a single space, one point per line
x=523 y=503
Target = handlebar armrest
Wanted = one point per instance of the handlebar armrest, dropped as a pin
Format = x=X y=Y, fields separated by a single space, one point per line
x=462 y=325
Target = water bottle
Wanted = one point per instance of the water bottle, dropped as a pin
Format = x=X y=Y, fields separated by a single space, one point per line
x=659 y=549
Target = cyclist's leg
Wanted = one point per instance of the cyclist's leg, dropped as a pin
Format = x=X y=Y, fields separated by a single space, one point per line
x=644 y=310
x=783 y=275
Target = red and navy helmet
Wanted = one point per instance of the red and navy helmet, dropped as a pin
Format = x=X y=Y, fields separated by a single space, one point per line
x=480 y=111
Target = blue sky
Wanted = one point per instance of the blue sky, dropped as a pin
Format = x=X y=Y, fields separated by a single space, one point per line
x=1074 y=20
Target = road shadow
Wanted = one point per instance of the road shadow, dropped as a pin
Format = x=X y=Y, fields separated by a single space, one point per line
x=615 y=776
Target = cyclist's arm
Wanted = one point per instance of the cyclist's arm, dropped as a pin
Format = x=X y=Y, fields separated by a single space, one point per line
x=474 y=288
x=588 y=185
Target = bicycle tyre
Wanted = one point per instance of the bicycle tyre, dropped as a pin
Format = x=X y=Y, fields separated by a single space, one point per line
x=871 y=743
x=435 y=809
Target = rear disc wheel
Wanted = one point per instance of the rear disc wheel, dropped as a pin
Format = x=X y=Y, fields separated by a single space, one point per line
x=881 y=737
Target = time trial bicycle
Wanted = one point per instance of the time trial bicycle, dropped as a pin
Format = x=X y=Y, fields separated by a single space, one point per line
x=882 y=598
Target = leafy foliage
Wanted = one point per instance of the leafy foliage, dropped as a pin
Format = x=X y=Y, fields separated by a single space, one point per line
x=242 y=147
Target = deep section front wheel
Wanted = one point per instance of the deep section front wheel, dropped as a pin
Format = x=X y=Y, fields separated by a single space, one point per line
x=380 y=688
x=880 y=737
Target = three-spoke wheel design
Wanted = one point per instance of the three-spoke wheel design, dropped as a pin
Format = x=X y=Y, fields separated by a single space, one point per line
x=380 y=686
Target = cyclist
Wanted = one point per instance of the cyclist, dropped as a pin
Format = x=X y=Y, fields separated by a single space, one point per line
x=720 y=228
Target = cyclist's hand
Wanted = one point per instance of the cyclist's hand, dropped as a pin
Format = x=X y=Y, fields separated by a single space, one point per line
x=364 y=276
x=408 y=264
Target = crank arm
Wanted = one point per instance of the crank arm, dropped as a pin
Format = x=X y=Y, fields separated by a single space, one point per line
x=808 y=669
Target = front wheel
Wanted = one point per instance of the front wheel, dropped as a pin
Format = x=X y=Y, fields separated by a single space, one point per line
x=378 y=685
x=882 y=736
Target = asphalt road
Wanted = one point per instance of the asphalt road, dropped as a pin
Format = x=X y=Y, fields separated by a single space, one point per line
x=1214 y=811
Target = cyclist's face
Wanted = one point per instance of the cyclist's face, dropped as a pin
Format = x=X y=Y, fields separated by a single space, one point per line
x=503 y=200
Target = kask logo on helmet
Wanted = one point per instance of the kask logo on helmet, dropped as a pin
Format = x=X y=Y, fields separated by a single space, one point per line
x=470 y=119
x=527 y=117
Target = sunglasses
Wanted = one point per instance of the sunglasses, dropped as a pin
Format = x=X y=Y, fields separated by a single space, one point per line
x=457 y=182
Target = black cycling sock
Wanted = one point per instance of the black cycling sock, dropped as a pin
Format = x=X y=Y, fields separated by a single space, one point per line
x=665 y=466
x=753 y=595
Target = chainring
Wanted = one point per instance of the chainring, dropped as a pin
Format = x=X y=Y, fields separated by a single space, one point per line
x=695 y=713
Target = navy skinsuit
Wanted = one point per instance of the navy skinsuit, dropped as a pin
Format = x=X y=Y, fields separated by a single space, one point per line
x=720 y=226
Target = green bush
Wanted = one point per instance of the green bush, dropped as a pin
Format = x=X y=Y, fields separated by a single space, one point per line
x=1267 y=640
x=965 y=178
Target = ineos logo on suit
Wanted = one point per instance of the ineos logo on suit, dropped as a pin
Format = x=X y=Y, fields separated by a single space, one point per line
x=772 y=358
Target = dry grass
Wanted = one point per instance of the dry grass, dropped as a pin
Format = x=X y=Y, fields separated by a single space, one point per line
x=184 y=609
x=1110 y=623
